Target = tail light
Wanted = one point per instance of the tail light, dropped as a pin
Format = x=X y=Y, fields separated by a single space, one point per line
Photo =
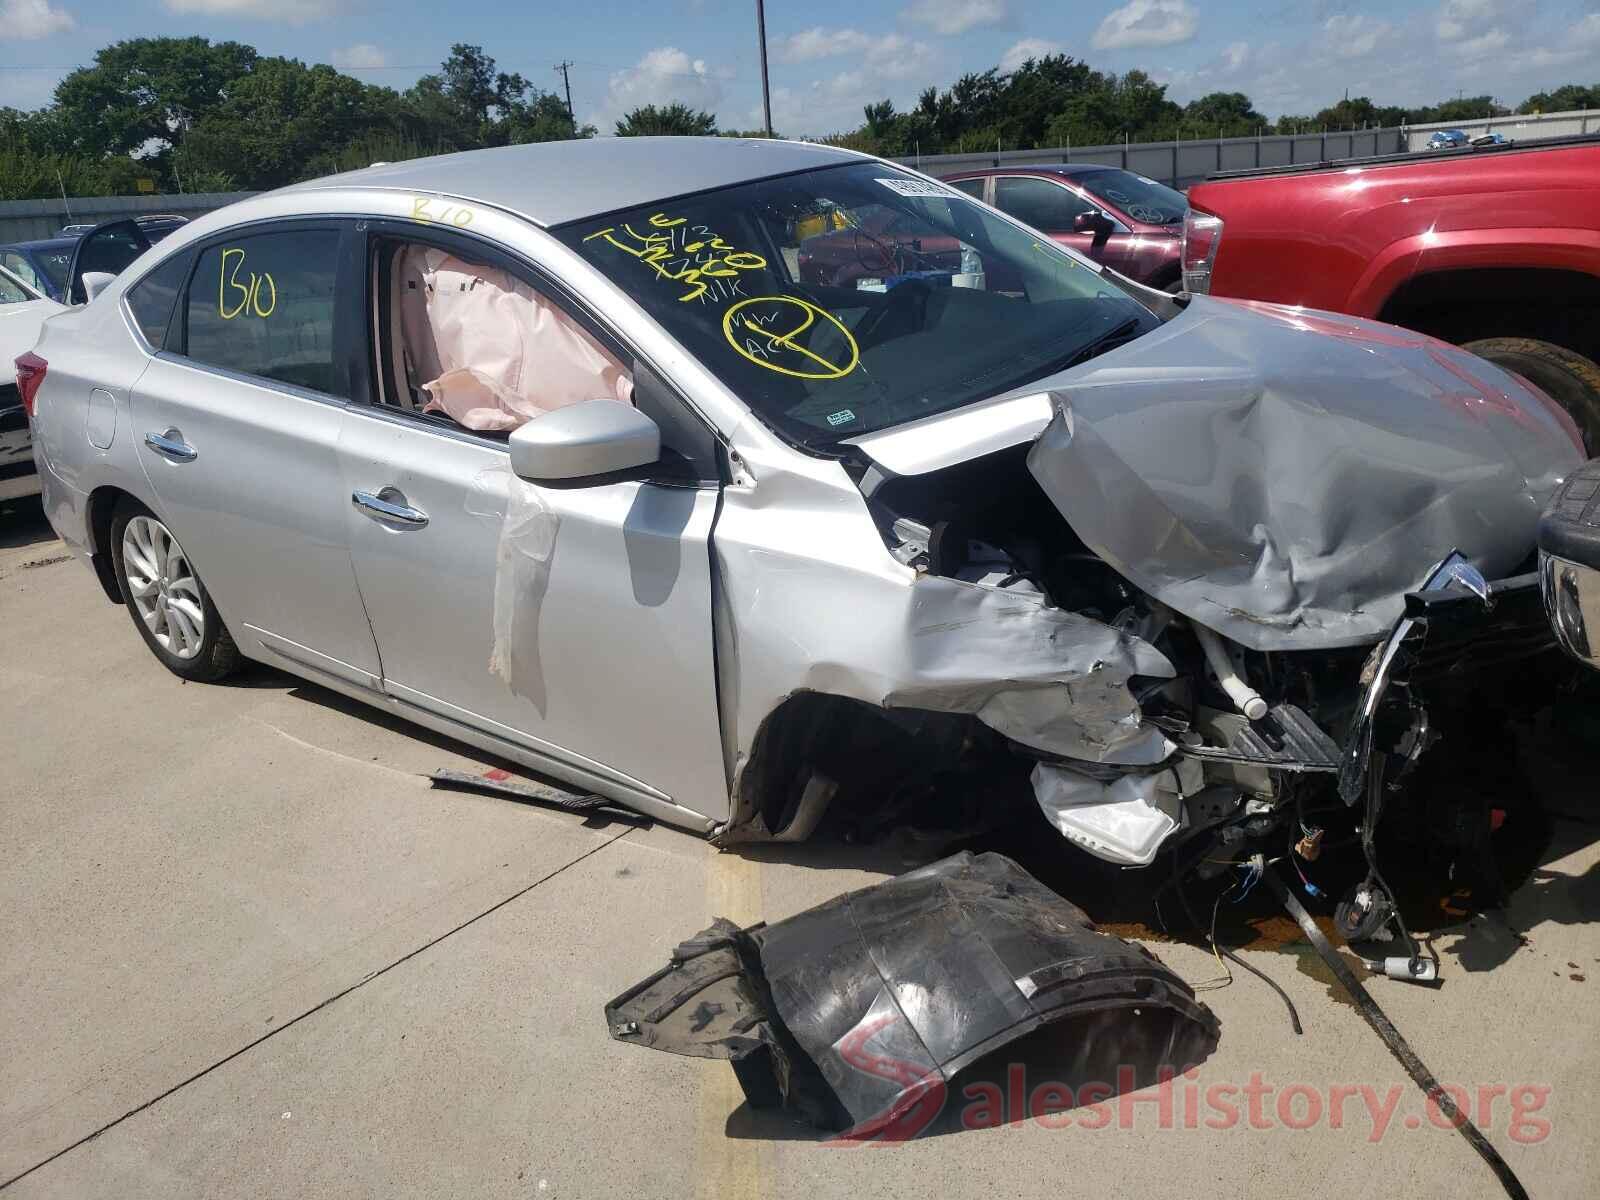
x=30 y=374
x=1202 y=234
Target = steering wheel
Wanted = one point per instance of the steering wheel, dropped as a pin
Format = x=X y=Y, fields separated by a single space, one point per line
x=903 y=310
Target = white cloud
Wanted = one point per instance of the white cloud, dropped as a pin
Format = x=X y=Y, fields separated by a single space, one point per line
x=1234 y=56
x=1457 y=19
x=1352 y=35
x=1147 y=23
x=1494 y=41
x=293 y=12
x=25 y=20
x=1020 y=52
x=950 y=17
x=883 y=49
x=361 y=56
x=666 y=75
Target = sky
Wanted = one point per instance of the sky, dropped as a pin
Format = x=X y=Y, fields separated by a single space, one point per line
x=830 y=57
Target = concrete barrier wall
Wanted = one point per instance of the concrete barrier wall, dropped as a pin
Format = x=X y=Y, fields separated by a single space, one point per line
x=1183 y=163
x=25 y=220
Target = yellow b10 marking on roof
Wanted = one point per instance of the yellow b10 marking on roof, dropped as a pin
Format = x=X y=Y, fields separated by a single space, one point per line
x=457 y=215
x=251 y=291
x=742 y=323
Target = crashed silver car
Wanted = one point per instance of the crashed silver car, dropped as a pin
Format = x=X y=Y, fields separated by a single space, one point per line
x=551 y=449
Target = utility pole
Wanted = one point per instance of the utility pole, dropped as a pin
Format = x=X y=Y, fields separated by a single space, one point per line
x=563 y=67
x=766 y=93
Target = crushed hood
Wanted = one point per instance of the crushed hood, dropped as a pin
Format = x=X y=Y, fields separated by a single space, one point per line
x=1286 y=476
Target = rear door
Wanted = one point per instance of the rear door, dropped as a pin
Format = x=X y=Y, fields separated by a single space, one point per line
x=238 y=417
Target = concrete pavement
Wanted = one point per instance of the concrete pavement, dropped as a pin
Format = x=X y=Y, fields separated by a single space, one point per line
x=248 y=951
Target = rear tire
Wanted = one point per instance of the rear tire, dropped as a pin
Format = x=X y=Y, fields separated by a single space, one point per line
x=1570 y=379
x=170 y=607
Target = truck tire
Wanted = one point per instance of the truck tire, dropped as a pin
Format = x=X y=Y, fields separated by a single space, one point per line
x=1570 y=379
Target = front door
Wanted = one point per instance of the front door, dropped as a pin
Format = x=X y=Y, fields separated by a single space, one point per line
x=238 y=421
x=573 y=621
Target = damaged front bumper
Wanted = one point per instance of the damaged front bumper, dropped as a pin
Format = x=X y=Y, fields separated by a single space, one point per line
x=859 y=1012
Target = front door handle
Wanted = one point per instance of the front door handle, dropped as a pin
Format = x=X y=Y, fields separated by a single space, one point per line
x=386 y=506
x=171 y=444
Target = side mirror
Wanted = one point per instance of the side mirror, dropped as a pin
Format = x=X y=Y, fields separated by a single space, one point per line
x=1094 y=222
x=94 y=282
x=596 y=437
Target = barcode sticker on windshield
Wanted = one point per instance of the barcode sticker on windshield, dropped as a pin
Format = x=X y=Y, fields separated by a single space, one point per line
x=915 y=187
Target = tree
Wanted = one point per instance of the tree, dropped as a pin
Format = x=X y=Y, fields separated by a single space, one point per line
x=148 y=91
x=1565 y=98
x=1229 y=112
x=672 y=119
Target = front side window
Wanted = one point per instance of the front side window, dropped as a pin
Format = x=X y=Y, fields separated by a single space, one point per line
x=1038 y=202
x=151 y=299
x=972 y=187
x=264 y=305
x=11 y=291
x=848 y=299
x=24 y=269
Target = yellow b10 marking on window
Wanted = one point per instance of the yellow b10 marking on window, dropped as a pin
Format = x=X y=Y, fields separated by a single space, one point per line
x=251 y=292
x=741 y=321
x=457 y=215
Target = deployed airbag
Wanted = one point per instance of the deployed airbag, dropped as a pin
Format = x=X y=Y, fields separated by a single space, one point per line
x=858 y=1012
x=492 y=353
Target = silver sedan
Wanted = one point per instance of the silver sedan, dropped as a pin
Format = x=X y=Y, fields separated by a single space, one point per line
x=553 y=449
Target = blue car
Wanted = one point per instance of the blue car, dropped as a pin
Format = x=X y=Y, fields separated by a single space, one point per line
x=1447 y=139
x=42 y=265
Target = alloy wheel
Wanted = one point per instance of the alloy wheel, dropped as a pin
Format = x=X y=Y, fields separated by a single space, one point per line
x=162 y=587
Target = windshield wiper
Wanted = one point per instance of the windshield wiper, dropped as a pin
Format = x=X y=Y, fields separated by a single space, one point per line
x=1109 y=340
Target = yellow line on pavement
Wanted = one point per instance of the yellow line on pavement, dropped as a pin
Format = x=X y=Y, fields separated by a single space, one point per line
x=729 y=1166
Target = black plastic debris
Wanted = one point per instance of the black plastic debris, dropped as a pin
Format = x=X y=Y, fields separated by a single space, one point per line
x=859 y=1012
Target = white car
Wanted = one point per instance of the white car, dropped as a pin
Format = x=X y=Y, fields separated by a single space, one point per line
x=22 y=311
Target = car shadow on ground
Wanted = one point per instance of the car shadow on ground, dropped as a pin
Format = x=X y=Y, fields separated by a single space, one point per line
x=23 y=524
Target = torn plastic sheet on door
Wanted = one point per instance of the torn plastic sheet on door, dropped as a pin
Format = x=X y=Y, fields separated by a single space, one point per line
x=858 y=1013
x=521 y=579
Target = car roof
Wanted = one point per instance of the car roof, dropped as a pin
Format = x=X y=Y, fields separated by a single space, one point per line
x=552 y=183
x=1063 y=169
x=55 y=243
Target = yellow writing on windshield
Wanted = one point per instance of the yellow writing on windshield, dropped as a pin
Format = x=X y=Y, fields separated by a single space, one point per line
x=682 y=253
x=763 y=329
x=249 y=294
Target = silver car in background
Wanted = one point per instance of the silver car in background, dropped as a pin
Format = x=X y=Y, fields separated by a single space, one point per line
x=550 y=449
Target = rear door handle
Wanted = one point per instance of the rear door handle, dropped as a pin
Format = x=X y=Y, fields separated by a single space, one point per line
x=171 y=444
x=386 y=506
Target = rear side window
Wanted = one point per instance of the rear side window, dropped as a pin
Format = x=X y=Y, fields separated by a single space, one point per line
x=1038 y=202
x=264 y=305
x=151 y=299
x=972 y=187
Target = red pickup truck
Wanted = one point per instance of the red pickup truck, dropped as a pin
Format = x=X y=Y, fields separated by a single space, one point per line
x=1495 y=248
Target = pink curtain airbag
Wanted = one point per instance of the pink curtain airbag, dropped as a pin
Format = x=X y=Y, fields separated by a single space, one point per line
x=504 y=354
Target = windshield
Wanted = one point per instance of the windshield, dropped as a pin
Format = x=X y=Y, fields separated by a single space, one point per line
x=1142 y=199
x=844 y=300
